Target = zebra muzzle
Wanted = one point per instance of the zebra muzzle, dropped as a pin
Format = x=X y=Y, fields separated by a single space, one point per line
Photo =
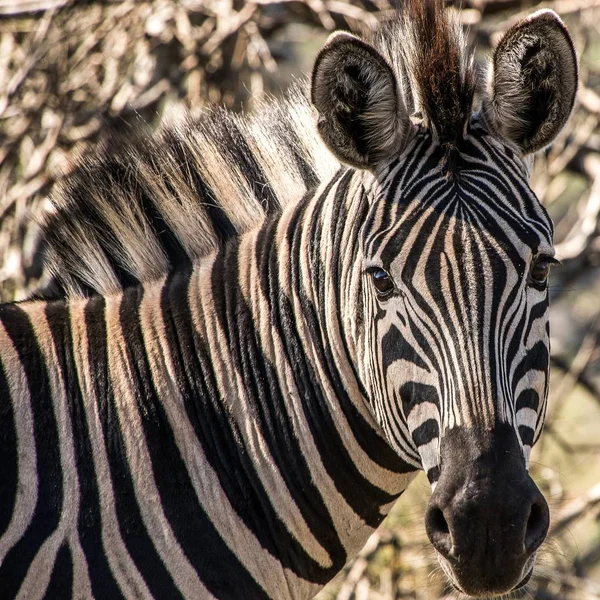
x=486 y=518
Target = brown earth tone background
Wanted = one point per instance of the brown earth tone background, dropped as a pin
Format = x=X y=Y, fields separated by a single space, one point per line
x=72 y=72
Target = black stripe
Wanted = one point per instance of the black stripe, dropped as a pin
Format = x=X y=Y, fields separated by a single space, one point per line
x=394 y=347
x=61 y=582
x=50 y=493
x=111 y=178
x=222 y=226
x=129 y=519
x=237 y=150
x=480 y=301
x=482 y=193
x=427 y=431
x=157 y=156
x=413 y=393
x=401 y=433
x=413 y=168
x=89 y=518
x=393 y=245
x=527 y=434
x=527 y=399
x=537 y=358
x=120 y=178
x=266 y=401
x=519 y=182
x=433 y=474
x=515 y=344
x=217 y=566
x=8 y=450
x=291 y=140
x=537 y=311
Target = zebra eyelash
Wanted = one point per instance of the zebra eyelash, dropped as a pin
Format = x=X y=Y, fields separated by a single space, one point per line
x=554 y=262
x=546 y=262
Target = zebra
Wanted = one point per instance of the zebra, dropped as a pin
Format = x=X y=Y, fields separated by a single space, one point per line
x=222 y=395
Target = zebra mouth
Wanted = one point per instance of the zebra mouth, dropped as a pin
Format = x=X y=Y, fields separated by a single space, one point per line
x=517 y=588
x=452 y=579
x=524 y=581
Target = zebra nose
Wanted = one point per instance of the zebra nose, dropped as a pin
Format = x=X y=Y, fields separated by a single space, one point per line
x=488 y=532
x=486 y=517
x=441 y=535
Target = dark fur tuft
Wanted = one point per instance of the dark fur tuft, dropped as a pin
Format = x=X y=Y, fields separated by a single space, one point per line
x=445 y=77
x=427 y=44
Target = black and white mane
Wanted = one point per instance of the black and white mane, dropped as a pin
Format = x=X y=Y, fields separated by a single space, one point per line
x=138 y=208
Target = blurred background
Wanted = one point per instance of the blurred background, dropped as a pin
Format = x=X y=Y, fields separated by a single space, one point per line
x=72 y=72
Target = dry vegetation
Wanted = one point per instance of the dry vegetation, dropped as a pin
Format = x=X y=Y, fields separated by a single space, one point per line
x=71 y=72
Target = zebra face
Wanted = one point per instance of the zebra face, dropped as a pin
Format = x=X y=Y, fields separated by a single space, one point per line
x=456 y=347
x=455 y=300
x=455 y=250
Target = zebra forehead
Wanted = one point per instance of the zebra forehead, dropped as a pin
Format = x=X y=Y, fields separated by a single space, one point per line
x=451 y=222
x=489 y=197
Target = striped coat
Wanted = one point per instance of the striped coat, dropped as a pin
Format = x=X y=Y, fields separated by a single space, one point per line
x=243 y=357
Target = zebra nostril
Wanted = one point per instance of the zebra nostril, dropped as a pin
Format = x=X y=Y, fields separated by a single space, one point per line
x=439 y=521
x=438 y=531
x=537 y=526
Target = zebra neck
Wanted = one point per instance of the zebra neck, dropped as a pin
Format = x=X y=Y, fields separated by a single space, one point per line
x=210 y=419
x=265 y=313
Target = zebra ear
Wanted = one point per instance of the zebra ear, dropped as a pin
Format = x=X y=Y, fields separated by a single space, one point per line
x=533 y=82
x=362 y=118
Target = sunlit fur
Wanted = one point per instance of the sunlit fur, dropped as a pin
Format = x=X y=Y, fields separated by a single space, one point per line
x=213 y=401
x=138 y=208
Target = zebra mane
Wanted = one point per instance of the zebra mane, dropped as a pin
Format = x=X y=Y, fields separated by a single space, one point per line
x=427 y=49
x=139 y=207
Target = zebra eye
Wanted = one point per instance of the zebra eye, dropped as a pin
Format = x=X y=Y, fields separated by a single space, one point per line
x=540 y=269
x=382 y=281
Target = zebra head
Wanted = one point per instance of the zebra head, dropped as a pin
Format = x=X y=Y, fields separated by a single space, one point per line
x=451 y=312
